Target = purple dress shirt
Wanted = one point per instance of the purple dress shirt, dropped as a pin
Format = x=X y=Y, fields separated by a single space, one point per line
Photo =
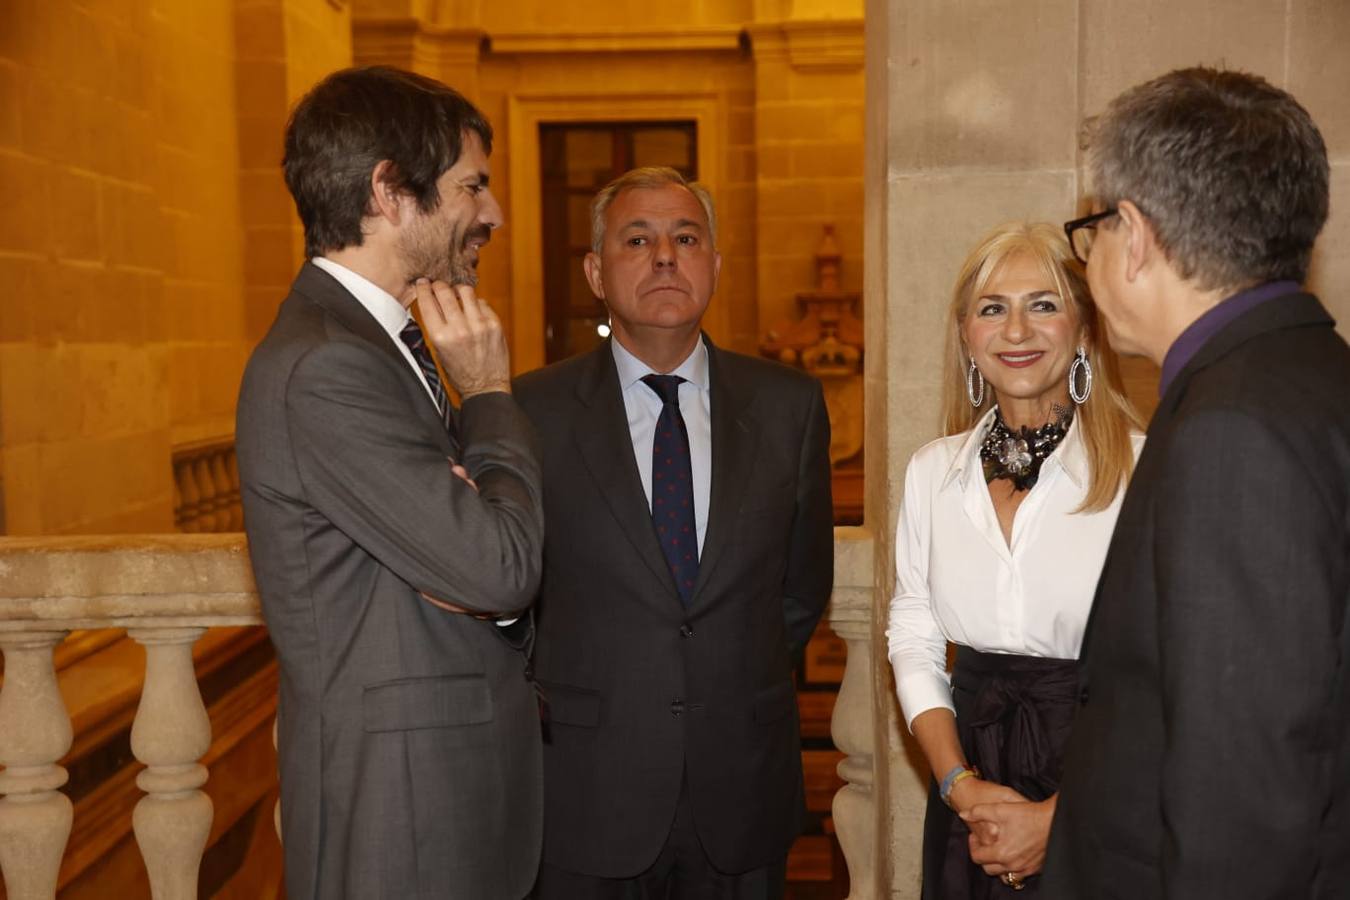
x=1198 y=333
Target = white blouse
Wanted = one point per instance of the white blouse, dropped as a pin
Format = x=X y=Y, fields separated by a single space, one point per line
x=958 y=580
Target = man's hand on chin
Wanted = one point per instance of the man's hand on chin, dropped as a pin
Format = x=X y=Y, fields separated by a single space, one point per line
x=467 y=335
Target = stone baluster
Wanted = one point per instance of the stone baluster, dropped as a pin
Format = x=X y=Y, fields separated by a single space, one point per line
x=221 y=489
x=851 y=725
x=35 y=732
x=206 y=475
x=170 y=734
x=231 y=467
x=187 y=487
x=206 y=487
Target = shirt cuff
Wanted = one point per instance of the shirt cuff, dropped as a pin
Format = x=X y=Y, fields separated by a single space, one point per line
x=922 y=691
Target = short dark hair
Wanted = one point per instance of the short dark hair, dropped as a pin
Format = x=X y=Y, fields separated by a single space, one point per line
x=1229 y=169
x=352 y=120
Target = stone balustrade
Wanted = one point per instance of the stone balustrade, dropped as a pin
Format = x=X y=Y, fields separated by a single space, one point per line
x=206 y=487
x=166 y=591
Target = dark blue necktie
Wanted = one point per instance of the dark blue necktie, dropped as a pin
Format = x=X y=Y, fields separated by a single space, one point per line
x=412 y=336
x=673 y=486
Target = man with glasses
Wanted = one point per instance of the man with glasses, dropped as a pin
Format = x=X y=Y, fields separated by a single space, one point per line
x=1211 y=756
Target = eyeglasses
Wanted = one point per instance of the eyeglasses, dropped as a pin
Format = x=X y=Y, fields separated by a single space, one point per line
x=1080 y=233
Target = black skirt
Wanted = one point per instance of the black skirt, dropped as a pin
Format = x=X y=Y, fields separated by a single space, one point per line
x=1013 y=715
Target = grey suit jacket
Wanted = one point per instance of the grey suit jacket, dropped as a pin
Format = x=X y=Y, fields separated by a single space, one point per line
x=1210 y=757
x=408 y=736
x=642 y=691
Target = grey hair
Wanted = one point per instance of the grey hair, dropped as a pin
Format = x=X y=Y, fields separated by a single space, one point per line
x=1230 y=170
x=647 y=177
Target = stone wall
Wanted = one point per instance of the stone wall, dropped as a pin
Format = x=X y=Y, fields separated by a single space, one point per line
x=973 y=116
x=808 y=154
x=130 y=148
x=119 y=254
x=283 y=48
x=149 y=237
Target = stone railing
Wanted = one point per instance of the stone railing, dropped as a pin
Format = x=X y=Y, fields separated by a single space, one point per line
x=206 y=487
x=851 y=727
x=166 y=591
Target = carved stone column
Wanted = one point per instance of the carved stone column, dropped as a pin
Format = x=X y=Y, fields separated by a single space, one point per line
x=35 y=732
x=170 y=734
x=850 y=617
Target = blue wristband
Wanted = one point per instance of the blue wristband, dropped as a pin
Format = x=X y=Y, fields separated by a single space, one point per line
x=949 y=781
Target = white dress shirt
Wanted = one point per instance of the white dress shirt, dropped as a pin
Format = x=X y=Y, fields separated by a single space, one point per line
x=643 y=406
x=958 y=580
x=392 y=315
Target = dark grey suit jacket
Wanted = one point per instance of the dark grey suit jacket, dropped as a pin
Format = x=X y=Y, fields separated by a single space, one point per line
x=408 y=735
x=1210 y=757
x=641 y=691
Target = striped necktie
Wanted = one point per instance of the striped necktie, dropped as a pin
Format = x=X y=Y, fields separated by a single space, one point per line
x=412 y=336
x=673 y=486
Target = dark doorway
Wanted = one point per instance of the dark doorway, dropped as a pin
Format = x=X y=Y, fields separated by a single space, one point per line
x=577 y=159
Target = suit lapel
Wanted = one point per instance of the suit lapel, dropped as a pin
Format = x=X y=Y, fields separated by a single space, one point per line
x=318 y=286
x=734 y=439
x=606 y=447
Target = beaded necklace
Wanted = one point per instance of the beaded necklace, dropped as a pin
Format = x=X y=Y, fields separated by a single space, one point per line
x=1018 y=455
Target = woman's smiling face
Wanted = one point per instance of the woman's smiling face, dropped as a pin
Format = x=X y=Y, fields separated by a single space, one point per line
x=1022 y=335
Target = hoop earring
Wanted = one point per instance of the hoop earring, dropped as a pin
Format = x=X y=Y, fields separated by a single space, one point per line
x=976 y=400
x=1080 y=365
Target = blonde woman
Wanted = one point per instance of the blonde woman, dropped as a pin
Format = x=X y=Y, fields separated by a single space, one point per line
x=1002 y=535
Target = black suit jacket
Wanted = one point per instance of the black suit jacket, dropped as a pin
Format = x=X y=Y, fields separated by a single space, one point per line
x=408 y=736
x=642 y=691
x=1210 y=757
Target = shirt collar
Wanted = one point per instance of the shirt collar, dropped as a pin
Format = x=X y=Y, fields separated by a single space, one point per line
x=1070 y=455
x=1198 y=333
x=381 y=304
x=631 y=370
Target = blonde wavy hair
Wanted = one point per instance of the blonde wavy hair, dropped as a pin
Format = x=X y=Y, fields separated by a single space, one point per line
x=1107 y=418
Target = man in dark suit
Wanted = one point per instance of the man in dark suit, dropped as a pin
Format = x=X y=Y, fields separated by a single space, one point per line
x=1210 y=757
x=393 y=537
x=688 y=557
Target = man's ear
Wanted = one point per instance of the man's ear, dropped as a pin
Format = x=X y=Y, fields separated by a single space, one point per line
x=386 y=200
x=1141 y=241
x=717 y=270
x=591 y=266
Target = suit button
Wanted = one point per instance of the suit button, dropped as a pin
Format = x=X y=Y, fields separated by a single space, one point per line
x=1083 y=697
x=677 y=707
x=686 y=631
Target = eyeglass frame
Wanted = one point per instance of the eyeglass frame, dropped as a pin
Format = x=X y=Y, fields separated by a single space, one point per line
x=1085 y=222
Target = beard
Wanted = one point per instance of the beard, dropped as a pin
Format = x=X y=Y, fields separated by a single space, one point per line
x=429 y=252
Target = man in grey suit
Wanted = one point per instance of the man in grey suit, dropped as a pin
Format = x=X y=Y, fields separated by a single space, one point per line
x=689 y=555
x=1210 y=756
x=395 y=540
